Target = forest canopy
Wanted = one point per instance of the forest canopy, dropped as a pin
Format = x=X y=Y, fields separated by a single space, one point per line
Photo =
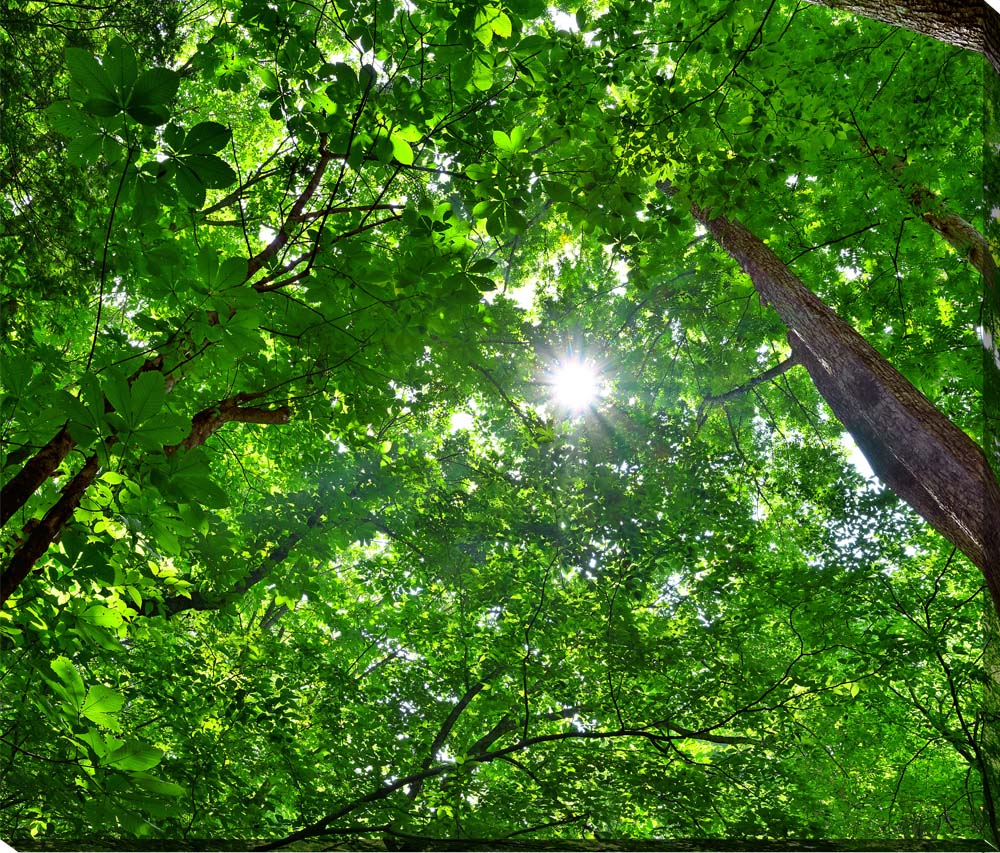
x=498 y=424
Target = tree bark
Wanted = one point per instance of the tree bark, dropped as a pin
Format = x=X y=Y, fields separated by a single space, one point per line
x=913 y=448
x=19 y=489
x=956 y=22
x=41 y=535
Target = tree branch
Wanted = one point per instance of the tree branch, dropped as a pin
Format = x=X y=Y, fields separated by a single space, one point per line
x=19 y=489
x=206 y=422
x=386 y=789
x=43 y=533
x=912 y=446
x=766 y=376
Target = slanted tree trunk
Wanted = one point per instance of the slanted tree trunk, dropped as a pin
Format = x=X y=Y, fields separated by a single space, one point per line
x=39 y=536
x=957 y=22
x=913 y=448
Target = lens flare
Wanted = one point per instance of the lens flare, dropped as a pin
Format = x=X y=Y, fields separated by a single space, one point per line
x=576 y=385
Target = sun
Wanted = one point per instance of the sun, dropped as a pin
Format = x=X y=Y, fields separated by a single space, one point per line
x=576 y=385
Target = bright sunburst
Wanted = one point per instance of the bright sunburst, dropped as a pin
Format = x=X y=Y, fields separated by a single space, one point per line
x=576 y=385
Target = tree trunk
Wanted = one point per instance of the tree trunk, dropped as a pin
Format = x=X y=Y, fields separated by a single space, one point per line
x=913 y=448
x=957 y=22
x=42 y=534
x=18 y=491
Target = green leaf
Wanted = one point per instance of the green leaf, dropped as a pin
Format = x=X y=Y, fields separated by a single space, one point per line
x=482 y=74
x=155 y=87
x=134 y=755
x=103 y=616
x=207 y=137
x=401 y=150
x=501 y=25
x=484 y=31
x=147 y=396
x=102 y=706
x=87 y=73
x=85 y=149
x=168 y=429
x=116 y=389
x=232 y=271
x=484 y=265
x=150 y=116
x=96 y=742
x=65 y=118
x=120 y=65
x=102 y=107
x=157 y=786
x=212 y=171
x=268 y=78
x=70 y=679
x=190 y=185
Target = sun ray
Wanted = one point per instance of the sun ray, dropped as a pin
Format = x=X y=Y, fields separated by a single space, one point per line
x=576 y=385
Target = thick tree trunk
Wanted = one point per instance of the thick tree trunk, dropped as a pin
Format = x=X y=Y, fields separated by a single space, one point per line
x=913 y=448
x=41 y=535
x=957 y=22
x=18 y=491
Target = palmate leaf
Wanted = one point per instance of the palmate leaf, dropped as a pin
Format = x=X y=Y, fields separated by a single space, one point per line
x=151 y=116
x=102 y=706
x=102 y=107
x=190 y=185
x=146 y=398
x=207 y=137
x=120 y=65
x=155 y=87
x=134 y=755
x=87 y=73
x=213 y=171
x=168 y=428
x=116 y=389
x=71 y=681
x=66 y=118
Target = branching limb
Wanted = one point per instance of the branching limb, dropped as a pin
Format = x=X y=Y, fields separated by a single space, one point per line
x=19 y=489
x=208 y=421
x=449 y=723
x=766 y=376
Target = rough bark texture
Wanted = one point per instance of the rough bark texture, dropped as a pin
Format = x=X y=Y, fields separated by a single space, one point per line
x=208 y=421
x=991 y=37
x=961 y=235
x=41 y=535
x=19 y=489
x=957 y=22
x=913 y=448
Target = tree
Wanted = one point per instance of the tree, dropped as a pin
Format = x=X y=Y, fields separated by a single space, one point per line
x=955 y=23
x=291 y=516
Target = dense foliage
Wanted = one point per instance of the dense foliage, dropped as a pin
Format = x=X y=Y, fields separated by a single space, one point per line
x=305 y=543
